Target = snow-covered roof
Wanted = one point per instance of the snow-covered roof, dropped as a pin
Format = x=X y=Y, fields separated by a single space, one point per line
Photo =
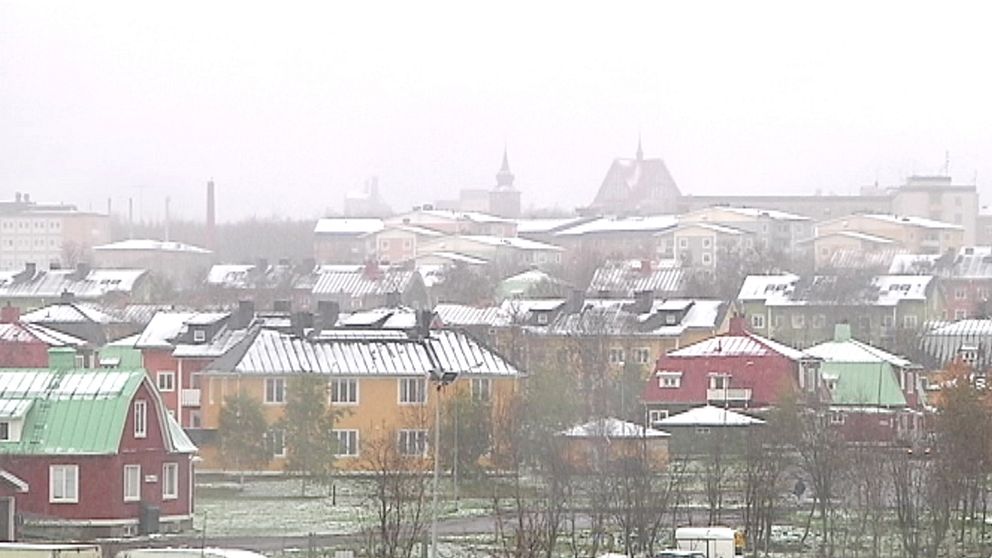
x=895 y=288
x=465 y=315
x=702 y=314
x=765 y=287
x=166 y=326
x=23 y=332
x=857 y=236
x=456 y=257
x=758 y=212
x=520 y=306
x=854 y=351
x=613 y=428
x=350 y=226
x=738 y=345
x=911 y=220
x=708 y=415
x=362 y=281
x=628 y=277
x=712 y=227
x=227 y=274
x=545 y=226
x=53 y=283
x=150 y=245
x=515 y=242
x=68 y=313
x=650 y=223
x=910 y=263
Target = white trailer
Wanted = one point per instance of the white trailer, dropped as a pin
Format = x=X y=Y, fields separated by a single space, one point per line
x=711 y=542
x=24 y=550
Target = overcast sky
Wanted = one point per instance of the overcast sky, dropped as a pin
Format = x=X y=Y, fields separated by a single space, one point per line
x=290 y=106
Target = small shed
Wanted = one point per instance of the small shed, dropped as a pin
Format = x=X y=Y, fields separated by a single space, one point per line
x=607 y=441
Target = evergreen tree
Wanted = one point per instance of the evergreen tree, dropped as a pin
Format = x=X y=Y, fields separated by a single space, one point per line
x=241 y=431
x=309 y=424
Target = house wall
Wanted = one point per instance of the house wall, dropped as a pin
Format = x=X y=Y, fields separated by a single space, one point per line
x=966 y=298
x=101 y=477
x=377 y=414
x=23 y=355
x=161 y=360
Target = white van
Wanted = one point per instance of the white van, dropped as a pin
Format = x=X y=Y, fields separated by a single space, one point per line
x=711 y=542
x=208 y=552
x=23 y=550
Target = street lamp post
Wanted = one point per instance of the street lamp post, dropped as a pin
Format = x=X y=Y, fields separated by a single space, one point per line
x=440 y=379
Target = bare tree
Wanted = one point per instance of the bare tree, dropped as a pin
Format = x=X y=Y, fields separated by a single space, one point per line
x=397 y=499
x=924 y=497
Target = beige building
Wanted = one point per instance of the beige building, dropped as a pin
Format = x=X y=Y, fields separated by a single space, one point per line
x=700 y=245
x=184 y=265
x=917 y=235
x=936 y=198
x=47 y=235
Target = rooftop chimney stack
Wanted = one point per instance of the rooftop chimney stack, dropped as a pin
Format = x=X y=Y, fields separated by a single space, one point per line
x=211 y=216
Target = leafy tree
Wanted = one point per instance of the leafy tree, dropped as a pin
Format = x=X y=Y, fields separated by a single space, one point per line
x=241 y=429
x=466 y=428
x=309 y=425
x=462 y=284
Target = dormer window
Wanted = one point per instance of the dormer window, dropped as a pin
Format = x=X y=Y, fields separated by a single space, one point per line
x=4 y=431
x=199 y=336
x=670 y=319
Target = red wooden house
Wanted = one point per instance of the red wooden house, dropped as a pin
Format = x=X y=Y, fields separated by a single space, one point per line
x=737 y=369
x=88 y=453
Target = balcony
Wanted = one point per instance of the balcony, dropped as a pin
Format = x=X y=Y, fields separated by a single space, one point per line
x=190 y=398
x=728 y=395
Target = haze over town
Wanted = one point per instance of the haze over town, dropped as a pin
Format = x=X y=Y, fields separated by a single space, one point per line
x=288 y=109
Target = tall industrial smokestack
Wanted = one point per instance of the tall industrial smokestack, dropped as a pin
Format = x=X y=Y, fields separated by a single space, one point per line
x=109 y=207
x=167 y=218
x=130 y=218
x=211 y=218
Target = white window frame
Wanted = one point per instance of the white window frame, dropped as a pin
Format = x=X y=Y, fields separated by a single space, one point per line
x=797 y=321
x=724 y=380
x=132 y=483
x=683 y=243
x=758 y=321
x=960 y=293
x=706 y=258
x=616 y=356
x=837 y=418
x=642 y=355
x=70 y=480
x=352 y=447
x=170 y=480
x=404 y=392
x=162 y=374
x=542 y=318
x=271 y=391
x=419 y=436
x=5 y=431
x=482 y=389
x=140 y=418
x=656 y=415
x=669 y=380
x=199 y=336
x=909 y=321
x=335 y=390
x=960 y=314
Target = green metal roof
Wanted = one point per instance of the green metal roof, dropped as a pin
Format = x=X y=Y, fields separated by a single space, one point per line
x=863 y=384
x=74 y=412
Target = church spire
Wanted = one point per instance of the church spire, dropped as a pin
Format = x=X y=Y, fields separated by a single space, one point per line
x=640 y=152
x=504 y=178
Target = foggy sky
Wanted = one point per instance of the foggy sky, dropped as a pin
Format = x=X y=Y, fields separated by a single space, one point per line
x=288 y=107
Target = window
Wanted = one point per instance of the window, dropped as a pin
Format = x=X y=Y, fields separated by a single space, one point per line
x=615 y=356
x=275 y=390
x=413 y=390
x=704 y=430
x=798 y=321
x=777 y=322
x=642 y=356
x=836 y=417
x=63 y=484
x=909 y=321
x=481 y=389
x=199 y=336
x=132 y=483
x=719 y=381
x=960 y=294
x=707 y=242
x=140 y=418
x=669 y=380
x=345 y=443
x=960 y=314
x=170 y=481
x=887 y=322
x=657 y=415
x=384 y=244
x=275 y=439
x=757 y=321
x=344 y=392
x=683 y=243
x=706 y=258
x=819 y=321
x=4 y=431
x=671 y=319
x=166 y=380
x=542 y=318
x=413 y=442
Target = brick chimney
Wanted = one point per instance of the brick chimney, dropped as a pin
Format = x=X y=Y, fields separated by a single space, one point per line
x=737 y=325
x=10 y=314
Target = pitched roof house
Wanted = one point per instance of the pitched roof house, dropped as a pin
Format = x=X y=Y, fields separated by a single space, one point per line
x=87 y=453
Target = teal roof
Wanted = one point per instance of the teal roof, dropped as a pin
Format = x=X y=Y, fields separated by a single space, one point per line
x=863 y=384
x=73 y=412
